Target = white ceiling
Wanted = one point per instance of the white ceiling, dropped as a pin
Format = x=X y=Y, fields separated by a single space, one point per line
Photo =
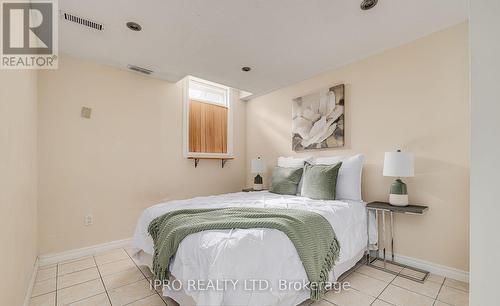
x=284 y=41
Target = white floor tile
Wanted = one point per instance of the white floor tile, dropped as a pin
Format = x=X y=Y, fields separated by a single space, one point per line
x=350 y=297
x=376 y=273
x=97 y=300
x=71 y=279
x=457 y=284
x=153 y=300
x=130 y=293
x=44 y=300
x=122 y=278
x=436 y=278
x=439 y=303
x=43 y=287
x=117 y=266
x=44 y=274
x=322 y=303
x=402 y=297
x=380 y=303
x=146 y=271
x=110 y=256
x=75 y=266
x=427 y=288
x=79 y=292
x=453 y=296
x=366 y=284
x=47 y=266
x=305 y=303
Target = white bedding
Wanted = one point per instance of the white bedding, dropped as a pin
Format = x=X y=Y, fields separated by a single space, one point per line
x=246 y=254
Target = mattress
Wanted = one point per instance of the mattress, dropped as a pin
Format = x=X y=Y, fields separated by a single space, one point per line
x=261 y=264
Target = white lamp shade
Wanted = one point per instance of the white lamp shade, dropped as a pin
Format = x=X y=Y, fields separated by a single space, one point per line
x=398 y=164
x=257 y=165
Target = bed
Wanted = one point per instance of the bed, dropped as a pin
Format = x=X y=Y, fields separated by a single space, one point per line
x=251 y=254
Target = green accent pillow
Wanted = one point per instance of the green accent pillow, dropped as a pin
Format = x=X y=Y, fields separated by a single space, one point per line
x=320 y=181
x=285 y=180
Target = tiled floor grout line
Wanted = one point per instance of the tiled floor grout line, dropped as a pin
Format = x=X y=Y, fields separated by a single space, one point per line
x=461 y=290
x=376 y=298
x=83 y=299
x=69 y=261
x=135 y=264
x=78 y=271
x=439 y=291
x=325 y=300
x=83 y=282
x=102 y=281
x=383 y=289
x=140 y=299
x=33 y=296
x=57 y=276
x=395 y=285
x=143 y=274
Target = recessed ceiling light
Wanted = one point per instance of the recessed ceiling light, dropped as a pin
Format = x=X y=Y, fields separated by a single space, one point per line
x=368 y=4
x=134 y=26
x=246 y=69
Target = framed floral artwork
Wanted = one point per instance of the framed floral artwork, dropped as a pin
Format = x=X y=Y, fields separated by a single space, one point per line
x=318 y=119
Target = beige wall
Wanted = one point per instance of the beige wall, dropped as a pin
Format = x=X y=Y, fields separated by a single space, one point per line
x=18 y=183
x=414 y=97
x=127 y=157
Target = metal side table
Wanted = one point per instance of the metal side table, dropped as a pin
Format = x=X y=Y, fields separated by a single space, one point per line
x=384 y=207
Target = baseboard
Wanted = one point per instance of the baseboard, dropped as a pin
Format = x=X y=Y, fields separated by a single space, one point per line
x=27 y=297
x=53 y=258
x=432 y=267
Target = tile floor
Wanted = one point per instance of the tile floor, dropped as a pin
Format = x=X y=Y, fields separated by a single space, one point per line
x=113 y=278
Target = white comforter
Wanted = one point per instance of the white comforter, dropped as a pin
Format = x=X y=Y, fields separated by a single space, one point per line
x=247 y=254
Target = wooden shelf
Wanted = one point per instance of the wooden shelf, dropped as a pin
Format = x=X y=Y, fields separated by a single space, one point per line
x=222 y=159
x=409 y=209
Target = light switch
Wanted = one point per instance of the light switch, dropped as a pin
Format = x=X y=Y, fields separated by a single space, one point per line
x=86 y=112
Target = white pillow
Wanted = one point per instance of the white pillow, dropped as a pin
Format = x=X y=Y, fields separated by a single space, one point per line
x=294 y=162
x=349 y=178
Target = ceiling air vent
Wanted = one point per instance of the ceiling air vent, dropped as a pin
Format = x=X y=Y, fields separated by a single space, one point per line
x=140 y=69
x=83 y=21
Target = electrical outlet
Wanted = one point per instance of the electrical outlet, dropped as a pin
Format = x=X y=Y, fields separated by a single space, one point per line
x=89 y=220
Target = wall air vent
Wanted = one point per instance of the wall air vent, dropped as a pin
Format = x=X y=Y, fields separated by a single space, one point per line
x=83 y=21
x=139 y=69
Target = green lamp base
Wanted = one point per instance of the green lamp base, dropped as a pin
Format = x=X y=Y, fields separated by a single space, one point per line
x=257 y=182
x=399 y=194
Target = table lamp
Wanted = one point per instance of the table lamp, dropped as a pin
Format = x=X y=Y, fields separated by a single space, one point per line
x=257 y=168
x=398 y=164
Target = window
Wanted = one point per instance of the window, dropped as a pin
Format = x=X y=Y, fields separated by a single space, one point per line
x=207 y=119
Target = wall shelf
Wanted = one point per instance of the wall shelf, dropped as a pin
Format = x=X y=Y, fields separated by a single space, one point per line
x=222 y=159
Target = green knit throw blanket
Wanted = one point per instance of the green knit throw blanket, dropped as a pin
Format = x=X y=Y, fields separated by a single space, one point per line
x=311 y=234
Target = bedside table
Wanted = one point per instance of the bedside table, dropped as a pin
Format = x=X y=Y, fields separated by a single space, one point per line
x=251 y=190
x=384 y=207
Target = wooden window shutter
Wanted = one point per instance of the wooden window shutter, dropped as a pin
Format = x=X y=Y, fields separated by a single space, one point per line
x=207 y=127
